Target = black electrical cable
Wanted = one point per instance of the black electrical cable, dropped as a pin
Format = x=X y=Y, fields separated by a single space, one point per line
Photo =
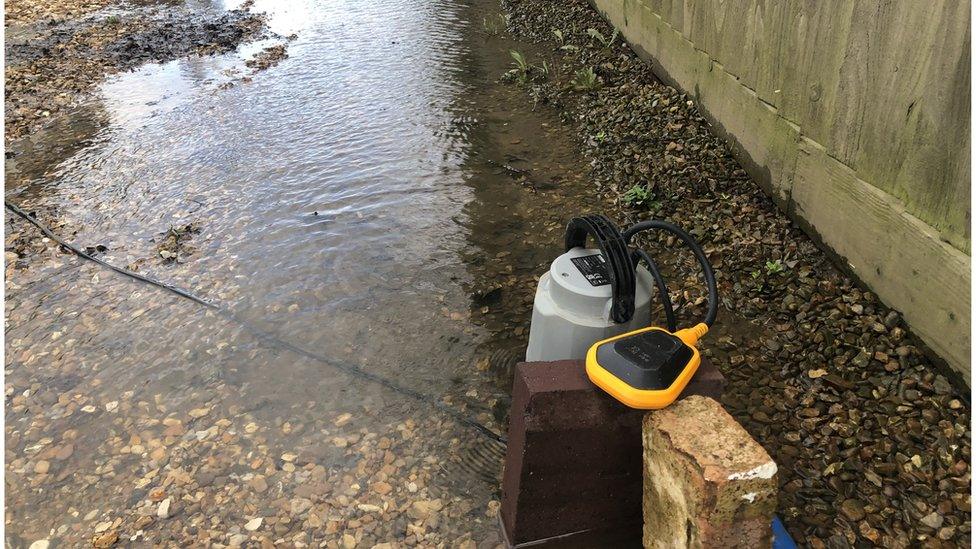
x=695 y=249
x=264 y=335
x=82 y=253
x=620 y=265
x=662 y=288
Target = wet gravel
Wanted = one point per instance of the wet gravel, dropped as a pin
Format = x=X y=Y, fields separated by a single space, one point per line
x=267 y=58
x=20 y=12
x=873 y=441
x=54 y=62
x=175 y=244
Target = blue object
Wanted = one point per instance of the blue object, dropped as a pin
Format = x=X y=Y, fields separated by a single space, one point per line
x=781 y=538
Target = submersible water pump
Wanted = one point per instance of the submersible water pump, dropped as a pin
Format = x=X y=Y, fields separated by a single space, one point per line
x=594 y=304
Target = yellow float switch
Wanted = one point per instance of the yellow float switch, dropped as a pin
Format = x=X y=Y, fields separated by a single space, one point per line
x=647 y=368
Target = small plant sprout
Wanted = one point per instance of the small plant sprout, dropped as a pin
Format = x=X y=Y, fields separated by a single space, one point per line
x=774 y=267
x=521 y=70
x=561 y=40
x=489 y=26
x=519 y=60
x=600 y=137
x=112 y=20
x=559 y=37
x=638 y=195
x=524 y=72
x=585 y=80
x=545 y=69
x=494 y=24
x=598 y=36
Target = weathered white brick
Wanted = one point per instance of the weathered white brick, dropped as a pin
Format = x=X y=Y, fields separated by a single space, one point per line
x=707 y=483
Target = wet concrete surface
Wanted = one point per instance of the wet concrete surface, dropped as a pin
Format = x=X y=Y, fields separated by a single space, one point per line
x=378 y=197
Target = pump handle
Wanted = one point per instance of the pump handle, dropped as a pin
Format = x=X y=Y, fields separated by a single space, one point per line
x=620 y=264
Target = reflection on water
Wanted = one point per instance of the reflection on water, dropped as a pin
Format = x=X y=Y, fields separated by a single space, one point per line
x=156 y=89
x=31 y=157
x=378 y=197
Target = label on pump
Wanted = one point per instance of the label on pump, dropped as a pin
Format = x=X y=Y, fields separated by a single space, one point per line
x=594 y=268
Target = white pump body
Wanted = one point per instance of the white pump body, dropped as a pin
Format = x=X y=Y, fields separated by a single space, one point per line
x=572 y=308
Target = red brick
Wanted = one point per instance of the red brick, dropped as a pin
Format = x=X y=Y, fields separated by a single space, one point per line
x=573 y=464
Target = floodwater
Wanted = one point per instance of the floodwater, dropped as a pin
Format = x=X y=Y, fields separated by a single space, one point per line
x=379 y=198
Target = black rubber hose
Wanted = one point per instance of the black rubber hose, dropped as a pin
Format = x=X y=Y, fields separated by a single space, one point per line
x=662 y=289
x=695 y=249
x=82 y=253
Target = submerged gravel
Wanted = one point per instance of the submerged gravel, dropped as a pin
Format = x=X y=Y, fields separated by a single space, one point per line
x=873 y=442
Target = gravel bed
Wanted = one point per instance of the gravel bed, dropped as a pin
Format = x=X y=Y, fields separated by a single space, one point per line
x=873 y=441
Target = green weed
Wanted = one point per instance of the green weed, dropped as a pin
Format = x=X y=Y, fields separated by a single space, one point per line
x=521 y=70
x=774 y=267
x=561 y=40
x=598 y=36
x=559 y=37
x=545 y=69
x=494 y=25
x=638 y=195
x=585 y=80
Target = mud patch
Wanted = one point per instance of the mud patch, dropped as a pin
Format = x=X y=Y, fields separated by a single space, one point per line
x=267 y=58
x=54 y=66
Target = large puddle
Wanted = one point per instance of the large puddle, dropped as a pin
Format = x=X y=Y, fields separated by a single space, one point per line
x=379 y=198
